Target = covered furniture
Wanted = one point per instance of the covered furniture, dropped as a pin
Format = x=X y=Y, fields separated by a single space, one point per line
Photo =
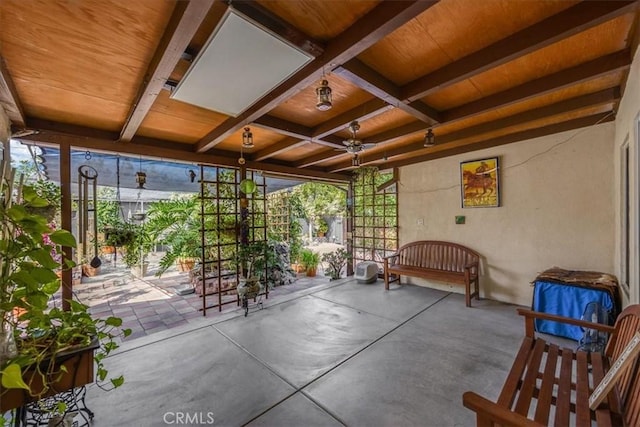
x=549 y=385
x=567 y=293
x=431 y=259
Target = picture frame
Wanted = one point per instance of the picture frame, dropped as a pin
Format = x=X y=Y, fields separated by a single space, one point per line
x=480 y=183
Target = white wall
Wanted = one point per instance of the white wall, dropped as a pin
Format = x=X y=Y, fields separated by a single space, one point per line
x=626 y=129
x=557 y=209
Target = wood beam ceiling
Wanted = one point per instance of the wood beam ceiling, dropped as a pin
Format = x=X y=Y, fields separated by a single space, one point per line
x=85 y=138
x=373 y=26
x=362 y=112
x=185 y=20
x=581 y=122
x=376 y=84
x=591 y=70
x=603 y=97
x=277 y=148
x=9 y=97
x=296 y=130
x=572 y=21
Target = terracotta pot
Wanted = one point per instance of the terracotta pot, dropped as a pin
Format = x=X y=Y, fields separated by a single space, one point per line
x=108 y=250
x=311 y=271
x=186 y=265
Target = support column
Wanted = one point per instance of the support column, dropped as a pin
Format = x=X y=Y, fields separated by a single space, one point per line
x=65 y=214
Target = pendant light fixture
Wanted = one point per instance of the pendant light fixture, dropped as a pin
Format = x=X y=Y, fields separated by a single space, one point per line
x=141 y=177
x=247 y=138
x=323 y=95
x=429 y=139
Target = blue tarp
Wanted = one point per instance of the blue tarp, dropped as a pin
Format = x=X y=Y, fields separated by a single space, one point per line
x=566 y=300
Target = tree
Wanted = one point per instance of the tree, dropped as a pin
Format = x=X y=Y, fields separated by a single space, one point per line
x=316 y=200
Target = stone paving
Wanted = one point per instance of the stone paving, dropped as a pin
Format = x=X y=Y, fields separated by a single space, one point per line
x=150 y=304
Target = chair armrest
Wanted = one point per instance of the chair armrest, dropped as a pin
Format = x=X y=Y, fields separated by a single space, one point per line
x=488 y=410
x=530 y=315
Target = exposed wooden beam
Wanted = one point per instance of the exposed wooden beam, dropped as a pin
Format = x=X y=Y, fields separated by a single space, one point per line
x=277 y=25
x=508 y=139
x=603 y=97
x=385 y=18
x=365 y=77
x=617 y=61
x=9 y=97
x=277 y=148
x=95 y=141
x=399 y=132
x=185 y=20
x=362 y=112
x=565 y=24
x=285 y=127
x=319 y=157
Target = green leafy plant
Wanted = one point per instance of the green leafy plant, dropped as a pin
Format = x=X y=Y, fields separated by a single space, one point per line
x=309 y=259
x=336 y=261
x=28 y=280
x=137 y=249
x=176 y=224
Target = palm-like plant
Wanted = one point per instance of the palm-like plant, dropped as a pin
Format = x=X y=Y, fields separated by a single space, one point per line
x=175 y=223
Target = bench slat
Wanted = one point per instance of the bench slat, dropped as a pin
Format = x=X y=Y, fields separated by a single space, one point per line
x=583 y=413
x=529 y=381
x=513 y=379
x=603 y=416
x=563 y=401
x=545 y=396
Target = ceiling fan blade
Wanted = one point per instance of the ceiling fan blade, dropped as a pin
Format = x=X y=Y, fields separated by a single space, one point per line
x=369 y=145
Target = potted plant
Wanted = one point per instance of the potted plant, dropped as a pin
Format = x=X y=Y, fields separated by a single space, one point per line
x=310 y=261
x=336 y=261
x=38 y=340
x=321 y=227
x=137 y=250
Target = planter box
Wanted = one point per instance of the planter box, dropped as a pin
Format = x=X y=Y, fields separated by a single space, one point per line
x=79 y=365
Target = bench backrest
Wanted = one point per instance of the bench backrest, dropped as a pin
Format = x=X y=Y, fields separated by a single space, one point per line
x=438 y=255
x=627 y=324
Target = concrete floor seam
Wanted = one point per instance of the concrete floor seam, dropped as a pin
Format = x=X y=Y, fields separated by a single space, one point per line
x=359 y=310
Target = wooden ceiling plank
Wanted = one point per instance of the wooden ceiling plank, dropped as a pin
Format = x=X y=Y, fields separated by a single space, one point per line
x=317 y=158
x=567 y=23
x=183 y=24
x=617 y=61
x=287 y=128
x=365 y=77
x=277 y=148
x=382 y=20
x=256 y=12
x=508 y=139
x=9 y=99
x=362 y=112
x=606 y=96
x=154 y=150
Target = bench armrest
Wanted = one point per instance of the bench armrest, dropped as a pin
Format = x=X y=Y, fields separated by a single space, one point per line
x=530 y=315
x=390 y=256
x=489 y=413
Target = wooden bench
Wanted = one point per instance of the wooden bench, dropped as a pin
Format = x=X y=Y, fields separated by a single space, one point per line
x=431 y=259
x=549 y=385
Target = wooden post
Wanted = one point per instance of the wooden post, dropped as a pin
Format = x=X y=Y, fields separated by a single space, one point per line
x=65 y=190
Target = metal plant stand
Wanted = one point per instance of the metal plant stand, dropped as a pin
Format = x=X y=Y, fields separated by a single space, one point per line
x=41 y=412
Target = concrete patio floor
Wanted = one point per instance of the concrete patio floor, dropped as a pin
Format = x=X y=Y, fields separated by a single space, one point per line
x=341 y=353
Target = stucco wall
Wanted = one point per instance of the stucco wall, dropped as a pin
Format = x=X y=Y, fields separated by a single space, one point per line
x=557 y=209
x=626 y=129
x=5 y=129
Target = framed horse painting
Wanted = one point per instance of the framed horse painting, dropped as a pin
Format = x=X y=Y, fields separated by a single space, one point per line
x=480 y=183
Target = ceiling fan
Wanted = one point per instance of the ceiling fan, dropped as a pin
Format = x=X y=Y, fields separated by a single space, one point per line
x=354 y=145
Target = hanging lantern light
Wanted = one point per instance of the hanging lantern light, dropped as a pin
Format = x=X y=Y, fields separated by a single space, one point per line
x=323 y=95
x=355 y=161
x=429 y=139
x=247 y=138
x=141 y=177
